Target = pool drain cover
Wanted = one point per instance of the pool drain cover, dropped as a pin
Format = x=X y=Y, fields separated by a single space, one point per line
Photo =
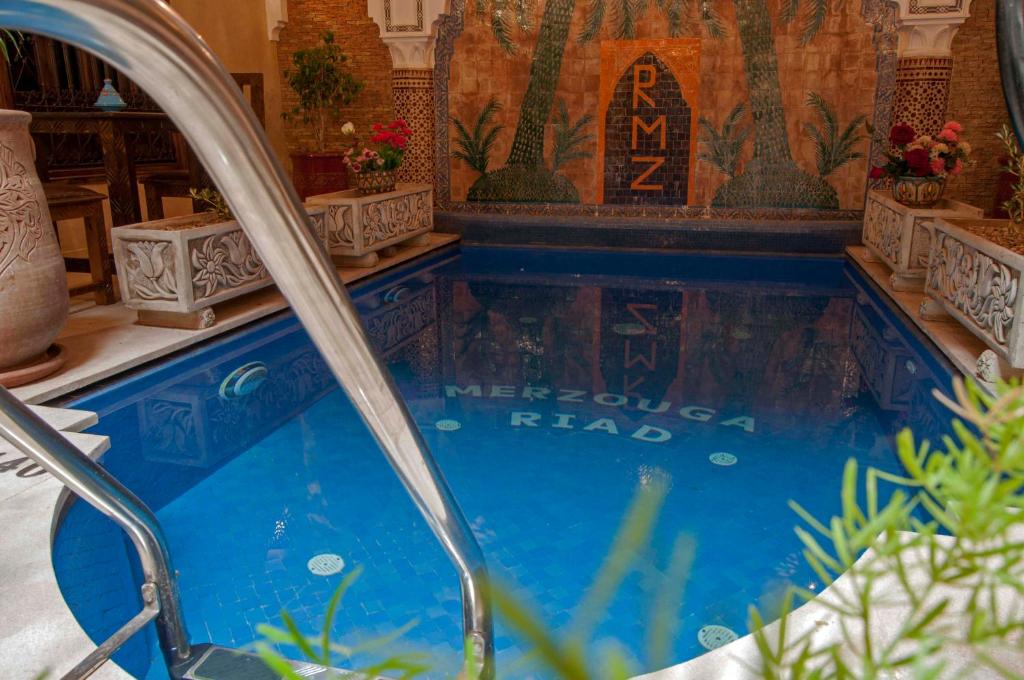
x=448 y=425
x=722 y=458
x=326 y=564
x=713 y=637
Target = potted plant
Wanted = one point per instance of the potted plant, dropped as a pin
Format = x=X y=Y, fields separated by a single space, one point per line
x=919 y=164
x=898 y=224
x=974 y=272
x=323 y=85
x=174 y=271
x=374 y=169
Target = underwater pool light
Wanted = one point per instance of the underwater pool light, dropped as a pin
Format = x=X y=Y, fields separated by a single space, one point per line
x=244 y=380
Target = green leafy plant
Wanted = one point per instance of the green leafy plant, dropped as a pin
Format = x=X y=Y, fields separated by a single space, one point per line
x=1014 y=206
x=323 y=84
x=474 y=147
x=943 y=556
x=213 y=201
x=319 y=649
x=833 y=148
x=813 y=16
x=569 y=137
x=724 y=148
x=8 y=40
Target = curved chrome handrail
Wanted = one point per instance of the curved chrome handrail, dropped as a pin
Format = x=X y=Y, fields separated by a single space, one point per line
x=149 y=43
x=91 y=482
x=1010 y=46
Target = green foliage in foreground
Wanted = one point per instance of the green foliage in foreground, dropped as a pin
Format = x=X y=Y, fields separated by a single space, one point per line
x=961 y=593
x=1014 y=164
x=894 y=545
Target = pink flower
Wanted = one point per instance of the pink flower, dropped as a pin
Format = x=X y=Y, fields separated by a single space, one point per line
x=948 y=134
x=958 y=167
x=380 y=162
x=954 y=126
x=938 y=166
x=357 y=167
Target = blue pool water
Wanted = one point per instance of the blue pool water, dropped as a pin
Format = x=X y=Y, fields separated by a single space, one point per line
x=550 y=385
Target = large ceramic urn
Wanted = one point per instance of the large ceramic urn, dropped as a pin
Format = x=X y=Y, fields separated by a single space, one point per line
x=33 y=284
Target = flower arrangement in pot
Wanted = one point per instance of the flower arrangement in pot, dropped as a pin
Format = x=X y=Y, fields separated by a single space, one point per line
x=919 y=164
x=323 y=85
x=375 y=168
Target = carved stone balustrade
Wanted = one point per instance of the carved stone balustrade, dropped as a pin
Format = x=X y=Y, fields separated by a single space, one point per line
x=900 y=236
x=359 y=226
x=173 y=271
x=977 y=282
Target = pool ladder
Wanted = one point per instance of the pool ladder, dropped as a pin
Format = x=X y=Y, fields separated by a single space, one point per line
x=154 y=47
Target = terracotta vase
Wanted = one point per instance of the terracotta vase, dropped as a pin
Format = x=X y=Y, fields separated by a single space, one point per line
x=918 y=192
x=318 y=173
x=33 y=283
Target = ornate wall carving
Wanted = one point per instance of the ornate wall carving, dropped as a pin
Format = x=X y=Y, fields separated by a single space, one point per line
x=223 y=261
x=150 y=270
x=981 y=288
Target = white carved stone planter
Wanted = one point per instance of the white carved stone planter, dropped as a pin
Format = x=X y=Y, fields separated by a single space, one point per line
x=899 y=235
x=977 y=282
x=173 y=271
x=359 y=226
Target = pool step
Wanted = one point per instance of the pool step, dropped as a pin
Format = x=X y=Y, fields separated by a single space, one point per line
x=221 y=663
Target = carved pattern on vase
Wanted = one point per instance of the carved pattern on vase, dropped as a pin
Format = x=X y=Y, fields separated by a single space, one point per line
x=21 y=224
x=223 y=261
x=980 y=287
x=150 y=270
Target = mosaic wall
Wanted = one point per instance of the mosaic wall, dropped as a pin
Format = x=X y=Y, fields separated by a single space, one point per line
x=769 y=86
x=647 y=136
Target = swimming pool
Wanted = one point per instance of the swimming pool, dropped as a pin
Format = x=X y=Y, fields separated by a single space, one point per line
x=549 y=385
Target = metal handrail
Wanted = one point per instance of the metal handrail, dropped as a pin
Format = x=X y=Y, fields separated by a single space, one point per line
x=1010 y=46
x=148 y=42
x=91 y=482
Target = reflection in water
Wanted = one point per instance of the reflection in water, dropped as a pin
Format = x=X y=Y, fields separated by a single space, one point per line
x=547 y=398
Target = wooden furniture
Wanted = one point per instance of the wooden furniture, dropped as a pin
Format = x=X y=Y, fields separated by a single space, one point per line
x=190 y=173
x=114 y=130
x=68 y=202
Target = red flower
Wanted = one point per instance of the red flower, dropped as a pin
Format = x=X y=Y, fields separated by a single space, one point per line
x=380 y=137
x=876 y=173
x=902 y=134
x=919 y=161
x=377 y=127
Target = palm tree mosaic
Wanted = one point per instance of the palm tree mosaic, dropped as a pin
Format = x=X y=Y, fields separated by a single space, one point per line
x=771 y=176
